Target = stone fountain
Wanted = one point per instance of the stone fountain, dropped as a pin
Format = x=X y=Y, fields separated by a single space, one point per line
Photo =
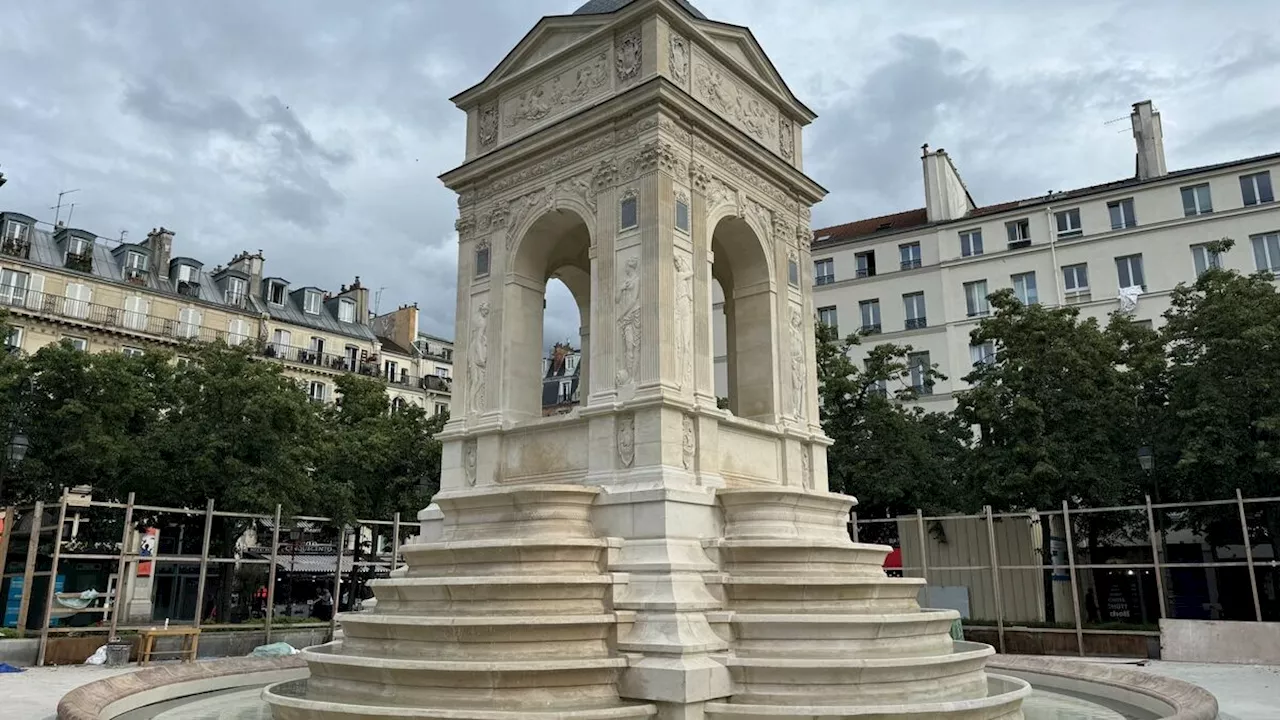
x=648 y=553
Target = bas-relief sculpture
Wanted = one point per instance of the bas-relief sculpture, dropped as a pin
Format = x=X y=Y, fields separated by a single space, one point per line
x=524 y=208
x=556 y=95
x=478 y=357
x=688 y=443
x=678 y=58
x=627 y=440
x=798 y=368
x=487 y=125
x=740 y=106
x=684 y=319
x=469 y=461
x=629 y=56
x=629 y=322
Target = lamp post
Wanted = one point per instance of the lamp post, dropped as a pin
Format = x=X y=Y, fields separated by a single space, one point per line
x=1147 y=460
x=14 y=452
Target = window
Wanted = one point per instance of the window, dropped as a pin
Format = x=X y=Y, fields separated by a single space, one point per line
x=1075 y=282
x=913 y=304
x=482 y=260
x=566 y=391
x=827 y=316
x=398 y=404
x=78 y=297
x=135 y=312
x=131 y=352
x=311 y=302
x=1068 y=223
x=1256 y=188
x=317 y=348
x=1204 y=258
x=13 y=287
x=188 y=323
x=975 y=298
x=1196 y=201
x=864 y=264
x=135 y=261
x=275 y=293
x=682 y=214
x=1129 y=271
x=1024 y=287
x=1121 y=212
x=13 y=340
x=1019 y=233
x=793 y=273
x=77 y=343
x=910 y=255
x=630 y=212
x=441 y=408
x=824 y=271
x=15 y=230
x=442 y=372
x=391 y=370
x=317 y=391
x=186 y=273
x=982 y=353
x=280 y=342
x=347 y=310
x=237 y=290
x=352 y=354
x=878 y=386
x=918 y=364
x=870 y=312
x=78 y=246
x=970 y=243
x=1266 y=252
x=237 y=331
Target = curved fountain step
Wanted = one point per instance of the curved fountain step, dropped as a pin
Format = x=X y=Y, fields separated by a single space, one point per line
x=520 y=556
x=957 y=675
x=920 y=634
x=490 y=595
x=513 y=637
x=826 y=594
x=809 y=556
x=293 y=701
x=1003 y=701
x=526 y=511
x=398 y=682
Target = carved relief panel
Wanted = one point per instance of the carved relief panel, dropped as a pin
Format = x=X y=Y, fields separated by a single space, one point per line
x=719 y=90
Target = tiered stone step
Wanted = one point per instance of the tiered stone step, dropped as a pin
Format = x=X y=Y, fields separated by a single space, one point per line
x=508 y=616
x=819 y=630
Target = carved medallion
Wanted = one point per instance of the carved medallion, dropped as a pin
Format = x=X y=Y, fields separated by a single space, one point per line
x=688 y=443
x=679 y=59
x=629 y=56
x=786 y=139
x=487 y=129
x=469 y=462
x=627 y=440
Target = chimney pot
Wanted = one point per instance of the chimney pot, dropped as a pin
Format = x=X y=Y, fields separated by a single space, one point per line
x=1148 y=137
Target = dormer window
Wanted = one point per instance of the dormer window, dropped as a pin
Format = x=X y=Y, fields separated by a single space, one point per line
x=77 y=246
x=135 y=261
x=186 y=273
x=275 y=293
x=14 y=230
x=347 y=310
x=311 y=302
x=237 y=289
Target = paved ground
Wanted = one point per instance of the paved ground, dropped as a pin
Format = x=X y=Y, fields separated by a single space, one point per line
x=1244 y=692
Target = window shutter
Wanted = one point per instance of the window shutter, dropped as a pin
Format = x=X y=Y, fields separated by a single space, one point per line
x=35 y=292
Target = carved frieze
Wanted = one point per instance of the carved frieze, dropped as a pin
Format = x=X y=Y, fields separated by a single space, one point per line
x=679 y=58
x=487 y=125
x=522 y=208
x=739 y=105
x=630 y=53
x=761 y=215
x=735 y=169
x=555 y=162
x=581 y=187
x=557 y=94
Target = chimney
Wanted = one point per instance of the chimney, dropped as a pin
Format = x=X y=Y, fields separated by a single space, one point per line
x=159 y=243
x=945 y=195
x=360 y=294
x=400 y=326
x=1149 y=138
x=250 y=264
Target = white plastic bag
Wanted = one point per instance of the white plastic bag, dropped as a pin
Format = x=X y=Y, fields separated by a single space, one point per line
x=99 y=656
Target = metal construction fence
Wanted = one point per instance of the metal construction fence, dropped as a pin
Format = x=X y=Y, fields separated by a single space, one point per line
x=101 y=570
x=1089 y=580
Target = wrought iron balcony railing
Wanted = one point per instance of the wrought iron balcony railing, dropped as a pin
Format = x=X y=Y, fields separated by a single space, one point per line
x=105 y=316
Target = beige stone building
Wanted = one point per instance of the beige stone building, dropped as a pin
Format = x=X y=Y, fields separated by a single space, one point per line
x=921 y=277
x=61 y=283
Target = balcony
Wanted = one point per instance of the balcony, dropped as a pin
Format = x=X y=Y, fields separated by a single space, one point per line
x=135 y=276
x=911 y=264
x=16 y=247
x=1019 y=244
x=917 y=323
x=824 y=279
x=105 y=317
x=80 y=262
x=864 y=273
x=189 y=289
x=873 y=329
x=437 y=383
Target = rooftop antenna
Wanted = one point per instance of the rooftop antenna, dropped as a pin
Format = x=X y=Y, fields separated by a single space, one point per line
x=377 y=299
x=123 y=235
x=1119 y=119
x=71 y=212
x=57 y=209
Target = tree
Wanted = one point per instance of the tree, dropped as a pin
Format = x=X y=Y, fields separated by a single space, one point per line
x=892 y=457
x=1223 y=415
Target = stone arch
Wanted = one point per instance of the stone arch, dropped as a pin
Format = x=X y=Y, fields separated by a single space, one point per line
x=555 y=244
x=741 y=265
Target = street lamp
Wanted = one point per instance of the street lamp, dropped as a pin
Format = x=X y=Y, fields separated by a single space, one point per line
x=18 y=445
x=1146 y=459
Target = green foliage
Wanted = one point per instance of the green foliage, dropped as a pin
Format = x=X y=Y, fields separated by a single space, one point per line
x=893 y=458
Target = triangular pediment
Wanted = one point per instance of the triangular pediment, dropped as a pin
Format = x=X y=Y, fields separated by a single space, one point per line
x=740 y=46
x=549 y=37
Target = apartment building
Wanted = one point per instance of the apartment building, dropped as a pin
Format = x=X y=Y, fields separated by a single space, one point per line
x=61 y=283
x=922 y=277
x=561 y=373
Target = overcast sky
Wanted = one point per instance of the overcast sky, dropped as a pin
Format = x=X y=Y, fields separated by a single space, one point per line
x=314 y=130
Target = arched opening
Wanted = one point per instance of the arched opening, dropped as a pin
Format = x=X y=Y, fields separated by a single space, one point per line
x=552 y=277
x=741 y=270
x=562 y=348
